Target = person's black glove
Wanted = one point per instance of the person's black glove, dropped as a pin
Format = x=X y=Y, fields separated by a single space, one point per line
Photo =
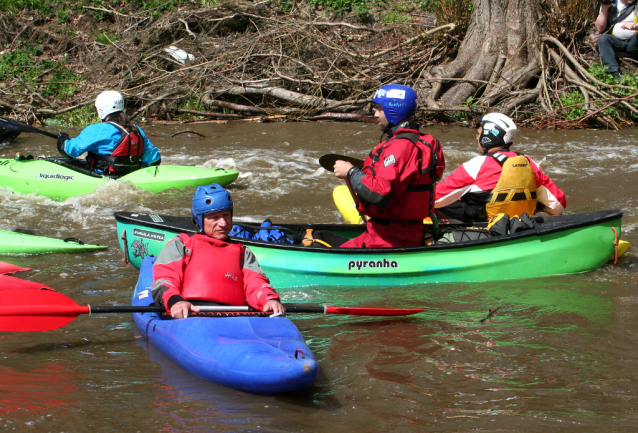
x=62 y=138
x=607 y=2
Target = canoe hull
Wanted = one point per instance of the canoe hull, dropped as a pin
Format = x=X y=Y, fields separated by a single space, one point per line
x=254 y=354
x=563 y=245
x=59 y=182
x=20 y=243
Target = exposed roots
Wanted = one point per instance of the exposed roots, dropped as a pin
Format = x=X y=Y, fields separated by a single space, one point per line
x=255 y=61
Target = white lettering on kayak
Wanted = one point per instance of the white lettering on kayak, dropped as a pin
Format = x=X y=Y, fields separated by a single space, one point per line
x=147 y=234
x=359 y=264
x=56 y=176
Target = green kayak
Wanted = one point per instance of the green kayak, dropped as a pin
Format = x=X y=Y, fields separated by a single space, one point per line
x=60 y=178
x=556 y=245
x=20 y=243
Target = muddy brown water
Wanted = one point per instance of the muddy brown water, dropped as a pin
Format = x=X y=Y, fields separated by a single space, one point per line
x=559 y=355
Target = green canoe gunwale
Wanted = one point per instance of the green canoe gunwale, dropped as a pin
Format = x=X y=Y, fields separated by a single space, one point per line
x=550 y=225
x=560 y=245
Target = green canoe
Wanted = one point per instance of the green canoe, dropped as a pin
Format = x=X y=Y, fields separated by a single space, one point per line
x=20 y=243
x=557 y=245
x=60 y=178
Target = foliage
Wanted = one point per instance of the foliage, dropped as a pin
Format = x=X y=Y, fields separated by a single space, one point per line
x=362 y=7
x=450 y=11
x=106 y=38
x=62 y=8
x=83 y=116
x=395 y=17
x=53 y=78
x=463 y=116
x=570 y=21
x=574 y=100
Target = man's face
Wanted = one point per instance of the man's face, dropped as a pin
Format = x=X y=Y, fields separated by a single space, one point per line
x=218 y=224
x=380 y=115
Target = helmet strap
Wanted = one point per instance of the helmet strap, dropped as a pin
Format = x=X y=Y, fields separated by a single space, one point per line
x=392 y=129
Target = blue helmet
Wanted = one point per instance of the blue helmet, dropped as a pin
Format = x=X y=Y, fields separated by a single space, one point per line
x=209 y=199
x=397 y=101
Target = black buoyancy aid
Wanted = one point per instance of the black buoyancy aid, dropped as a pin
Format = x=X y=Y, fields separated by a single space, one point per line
x=126 y=154
x=515 y=191
x=614 y=16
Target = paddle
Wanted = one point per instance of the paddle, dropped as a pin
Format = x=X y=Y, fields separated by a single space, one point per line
x=14 y=125
x=44 y=310
x=328 y=162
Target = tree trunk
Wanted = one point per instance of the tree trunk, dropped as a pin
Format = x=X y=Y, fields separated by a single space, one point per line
x=499 y=55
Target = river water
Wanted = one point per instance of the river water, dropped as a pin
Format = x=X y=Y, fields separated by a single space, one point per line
x=559 y=354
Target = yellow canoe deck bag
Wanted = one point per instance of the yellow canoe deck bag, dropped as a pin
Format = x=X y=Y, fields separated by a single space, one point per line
x=515 y=191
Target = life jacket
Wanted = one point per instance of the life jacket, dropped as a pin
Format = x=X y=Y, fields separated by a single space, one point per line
x=431 y=163
x=214 y=272
x=515 y=191
x=125 y=156
x=614 y=16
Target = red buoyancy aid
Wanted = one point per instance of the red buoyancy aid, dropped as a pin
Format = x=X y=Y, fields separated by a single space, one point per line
x=214 y=272
x=125 y=156
x=129 y=144
x=417 y=202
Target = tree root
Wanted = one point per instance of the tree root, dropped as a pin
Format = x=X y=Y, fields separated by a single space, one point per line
x=254 y=63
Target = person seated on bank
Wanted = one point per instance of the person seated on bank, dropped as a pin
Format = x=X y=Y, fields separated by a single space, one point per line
x=499 y=180
x=208 y=266
x=115 y=146
x=617 y=25
x=396 y=185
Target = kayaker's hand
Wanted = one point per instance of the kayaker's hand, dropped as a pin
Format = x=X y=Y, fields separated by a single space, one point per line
x=274 y=306
x=62 y=138
x=341 y=168
x=180 y=309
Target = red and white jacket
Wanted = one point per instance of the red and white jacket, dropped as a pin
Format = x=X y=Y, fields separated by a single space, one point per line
x=203 y=268
x=481 y=174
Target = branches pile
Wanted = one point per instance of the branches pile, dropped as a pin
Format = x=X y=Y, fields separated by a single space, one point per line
x=251 y=59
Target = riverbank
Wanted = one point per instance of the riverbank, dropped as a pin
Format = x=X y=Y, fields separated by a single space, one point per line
x=264 y=61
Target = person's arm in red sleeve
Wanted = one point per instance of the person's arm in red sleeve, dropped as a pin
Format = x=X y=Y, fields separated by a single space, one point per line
x=389 y=177
x=457 y=184
x=548 y=194
x=168 y=273
x=257 y=288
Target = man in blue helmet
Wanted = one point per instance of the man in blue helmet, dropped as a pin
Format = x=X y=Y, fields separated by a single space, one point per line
x=208 y=267
x=395 y=188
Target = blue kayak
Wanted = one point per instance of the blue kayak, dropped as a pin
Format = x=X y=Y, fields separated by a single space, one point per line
x=254 y=354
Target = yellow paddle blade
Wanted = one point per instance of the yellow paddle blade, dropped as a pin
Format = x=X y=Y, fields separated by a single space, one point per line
x=345 y=204
x=623 y=246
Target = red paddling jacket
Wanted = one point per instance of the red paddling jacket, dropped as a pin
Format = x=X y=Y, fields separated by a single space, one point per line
x=203 y=268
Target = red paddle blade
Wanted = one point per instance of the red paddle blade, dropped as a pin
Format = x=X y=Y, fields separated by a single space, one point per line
x=13 y=283
x=8 y=268
x=36 y=310
x=373 y=311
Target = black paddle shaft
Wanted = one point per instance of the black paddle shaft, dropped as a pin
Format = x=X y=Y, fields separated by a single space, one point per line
x=14 y=125
x=328 y=161
x=203 y=308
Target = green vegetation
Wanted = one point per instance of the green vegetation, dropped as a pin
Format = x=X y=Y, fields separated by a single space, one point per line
x=106 y=38
x=63 y=8
x=573 y=102
x=50 y=77
x=83 y=116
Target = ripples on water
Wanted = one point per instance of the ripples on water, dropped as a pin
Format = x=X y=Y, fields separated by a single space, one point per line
x=558 y=353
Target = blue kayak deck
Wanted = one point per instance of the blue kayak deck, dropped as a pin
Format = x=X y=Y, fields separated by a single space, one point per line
x=255 y=354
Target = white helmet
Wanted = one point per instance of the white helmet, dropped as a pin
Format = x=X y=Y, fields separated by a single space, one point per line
x=109 y=102
x=498 y=130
